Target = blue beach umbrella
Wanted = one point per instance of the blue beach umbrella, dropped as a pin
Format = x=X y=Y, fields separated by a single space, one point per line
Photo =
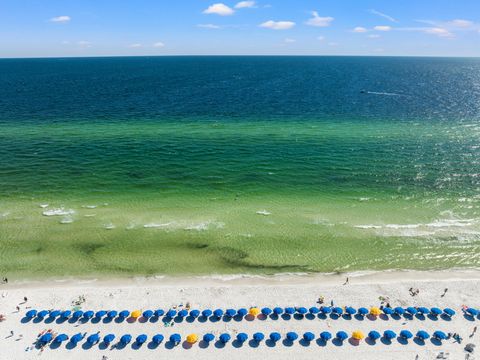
x=107 y=339
x=46 y=338
x=308 y=336
x=325 y=335
x=159 y=313
x=147 y=314
x=125 y=339
x=230 y=313
x=65 y=314
x=435 y=311
x=88 y=314
x=157 y=339
x=111 y=314
x=242 y=337
x=314 y=310
x=141 y=339
x=183 y=313
x=124 y=314
x=208 y=337
x=302 y=310
x=175 y=338
x=337 y=310
x=326 y=309
x=207 y=313
x=472 y=311
x=422 y=335
x=350 y=310
x=31 y=313
x=389 y=334
x=100 y=314
x=406 y=334
x=388 y=311
x=60 y=338
x=195 y=313
x=242 y=312
x=42 y=314
x=411 y=310
x=266 y=311
x=399 y=310
x=292 y=336
x=77 y=314
x=171 y=313
x=278 y=310
x=258 y=336
x=374 y=335
x=218 y=313
x=92 y=339
x=76 y=338
x=53 y=314
x=341 y=335
x=289 y=310
x=423 y=310
x=449 y=312
x=224 y=338
x=440 y=335
x=275 y=336
x=363 y=311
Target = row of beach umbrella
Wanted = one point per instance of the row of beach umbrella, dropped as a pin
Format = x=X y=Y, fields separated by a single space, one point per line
x=258 y=337
x=254 y=311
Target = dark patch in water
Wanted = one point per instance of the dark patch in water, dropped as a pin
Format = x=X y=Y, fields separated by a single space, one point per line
x=88 y=248
x=195 y=246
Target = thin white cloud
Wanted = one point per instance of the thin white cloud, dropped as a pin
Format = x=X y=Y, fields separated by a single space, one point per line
x=382 y=28
x=219 y=9
x=359 y=29
x=319 y=21
x=277 y=25
x=61 y=19
x=245 y=4
x=383 y=15
x=84 y=43
x=137 y=45
x=208 y=26
x=321 y=38
x=439 y=32
x=290 y=40
x=461 y=23
x=373 y=36
x=159 y=44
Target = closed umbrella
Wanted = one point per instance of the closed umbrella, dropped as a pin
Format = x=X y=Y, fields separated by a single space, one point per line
x=258 y=336
x=374 y=335
x=449 y=312
x=389 y=334
x=192 y=338
x=422 y=335
x=207 y=313
x=147 y=314
x=363 y=311
x=254 y=311
x=275 y=336
x=242 y=337
x=60 y=338
x=230 y=313
x=175 y=338
x=406 y=334
x=440 y=335
x=208 y=337
x=314 y=310
x=341 y=335
x=308 y=336
x=218 y=313
x=292 y=336
x=242 y=312
x=159 y=313
x=93 y=339
x=141 y=339
x=224 y=338
x=183 y=313
x=171 y=313
x=195 y=313
x=112 y=314
x=399 y=310
x=125 y=339
x=157 y=339
x=325 y=335
x=46 y=338
x=266 y=311
x=31 y=313
x=289 y=310
x=107 y=339
x=124 y=314
x=358 y=335
x=65 y=314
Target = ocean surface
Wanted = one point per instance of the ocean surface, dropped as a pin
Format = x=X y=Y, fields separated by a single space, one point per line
x=200 y=165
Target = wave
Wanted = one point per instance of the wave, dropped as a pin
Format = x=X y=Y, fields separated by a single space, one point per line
x=89 y=206
x=43 y=206
x=109 y=226
x=263 y=212
x=383 y=93
x=66 y=220
x=58 y=212
x=205 y=226
x=157 y=225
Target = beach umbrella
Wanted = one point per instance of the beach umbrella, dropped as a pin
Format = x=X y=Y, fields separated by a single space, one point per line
x=363 y=311
x=46 y=338
x=449 y=312
x=388 y=311
x=100 y=314
x=399 y=310
x=440 y=335
x=406 y=334
x=53 y=314
x=124 y=314
x=277 y=310
x=230 y=312
x=254 y=311
x=389 y=334
x=374 y=335
x=411 y=310
x=76 y=338
x=60 y=338
x=258 y=336
x=337 y=310
x=314 y=310
x=350 y=310
x=111 y=314
x=292 y=336
x=171 y=313
x=207 y=313
x=208 y=337
x=218 y=313
x=141 y=339
x=326 y=309
x=147 y=314
x=224 y=338
x=358 y=335
x=125 y=339
x=159 y=313
x=242 y=312
x=341 y=335
x=157 y=339
x=31 y=313
x=195 y=313
x=266 y=311
x=136 y=314
x=289 y=310
x=308 y=336
x=302 y=310
x=375 y=311
x=107 y=339
x=435 y=311
x=472 y=311
x=183 y=313
x=192 y=338
x=65 y=314
x=325 y=335
x=422 y=335
x=42 y=314
x=242 y=337
x=423 y=310
x=175 y=338
x=275 y=336
x=88 y=314
x=92 y=339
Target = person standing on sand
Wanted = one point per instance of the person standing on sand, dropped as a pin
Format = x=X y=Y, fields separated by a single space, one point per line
x=444 y=292
x=473 y=332
x=346 y=281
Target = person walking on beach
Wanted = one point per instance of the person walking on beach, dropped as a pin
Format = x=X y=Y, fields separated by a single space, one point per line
x=346 y=281
x=444 y=292
x=473 y=332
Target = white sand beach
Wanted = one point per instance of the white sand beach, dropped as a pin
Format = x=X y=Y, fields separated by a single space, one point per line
x=243 y=291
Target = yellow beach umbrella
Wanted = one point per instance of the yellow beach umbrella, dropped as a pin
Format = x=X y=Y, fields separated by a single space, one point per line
x=136 y=314
x=254 y=311
x=358 y=335
x=375 y=311
x=192 y=338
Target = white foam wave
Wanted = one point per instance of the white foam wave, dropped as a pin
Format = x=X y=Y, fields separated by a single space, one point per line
x=157 y=225
x=89 y=206
x=203 y=226
x=382 y=93
x=66 y=220
x=109 y=226
x=58 y=212
x=263 y=212
x=90 y=215
x=43 y=206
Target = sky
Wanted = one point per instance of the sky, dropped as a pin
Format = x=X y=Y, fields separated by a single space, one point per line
x=57 y=28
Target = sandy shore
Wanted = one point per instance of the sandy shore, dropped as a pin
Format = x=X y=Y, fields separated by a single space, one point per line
x=243 y=291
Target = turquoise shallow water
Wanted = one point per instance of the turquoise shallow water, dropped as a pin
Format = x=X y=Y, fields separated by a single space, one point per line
x=233 y=164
